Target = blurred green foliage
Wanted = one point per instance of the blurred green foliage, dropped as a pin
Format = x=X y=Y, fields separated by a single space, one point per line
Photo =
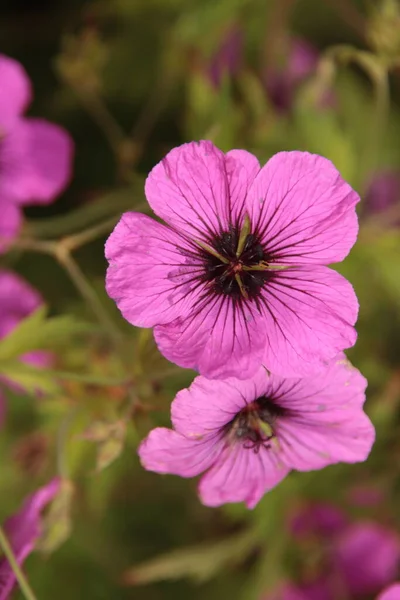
x=130 y=79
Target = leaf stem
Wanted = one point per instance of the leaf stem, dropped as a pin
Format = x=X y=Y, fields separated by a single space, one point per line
x=87 y=292
x=19 y=575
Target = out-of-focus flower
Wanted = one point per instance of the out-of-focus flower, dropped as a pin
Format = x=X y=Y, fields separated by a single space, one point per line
x=283 y=78
x=356 y=560
x=226 y=60
x=383 y=194
x=367 y=557
x=23 y=530
x=236 y=278
x=18 y=300
x=318 y=520
x=391 y=593
x=248 y=435
x=35 y=156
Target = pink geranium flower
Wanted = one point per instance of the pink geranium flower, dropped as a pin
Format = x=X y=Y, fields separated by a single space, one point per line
x=18 y=300
x=23 y=530
x=35 y=156
x=236 y=277
x=383 y=194
x=247 y=435
x=356 y=559
x=227 y=58
x=367 y=556
x=285 y=76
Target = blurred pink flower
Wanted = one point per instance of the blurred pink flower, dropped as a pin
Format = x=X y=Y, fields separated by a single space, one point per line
x=35 y=156
x=236 y=278
x=391 y=593
x=383 y=194
x=18 y=300
x=227 y=58
x=23 y=530
x=318 y=520
x=248 y=435
x=357 y=559
x=282 y=80
x=368 y=557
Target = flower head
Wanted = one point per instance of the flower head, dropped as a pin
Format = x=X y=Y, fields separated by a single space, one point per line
x=350 y=559
x=368 y=557
x=247 y=435
x=282 y=80
x=23 y=530
x=18 y=300
x=383 y=193
x=35 y=156
x=227 y=57
x=236 y=277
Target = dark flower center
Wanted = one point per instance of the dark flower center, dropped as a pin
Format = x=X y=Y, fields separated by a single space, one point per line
x=255 y=424
x=237 y=275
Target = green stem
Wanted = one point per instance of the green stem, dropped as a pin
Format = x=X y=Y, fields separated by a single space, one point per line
x=377 y=129
x=86 y=378
x=377 y=72
x=88 y=294
x=62 y=438
x=19 y=575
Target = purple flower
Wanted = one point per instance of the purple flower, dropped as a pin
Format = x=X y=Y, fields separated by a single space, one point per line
x=23 y=530
x=35 y=156
x=18 y=300
x=282 y=80
x=321 y=520
x=356 y=559
x=391 y=593
x=367 y=555
x=383 y=193
x=226 y=59
x=236 y=278
x=247 y=435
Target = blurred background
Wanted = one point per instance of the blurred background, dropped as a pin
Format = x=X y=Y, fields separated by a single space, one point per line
x=130 y=79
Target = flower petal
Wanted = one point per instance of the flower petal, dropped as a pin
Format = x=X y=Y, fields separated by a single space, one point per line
x=391 y=593
x=196 y=188
x=219 y=339
x=3 y=406
x=337 y=387
x=240 y=475
x=303 y=210
x=17 y=300
x=166 y=451
x=15 y=90
x=309 y=318
x=37 y=158
x=22 y=530
x=153 y=273
x=307 y=445
x=325 y=422
x=10 y=222
x=208 y=404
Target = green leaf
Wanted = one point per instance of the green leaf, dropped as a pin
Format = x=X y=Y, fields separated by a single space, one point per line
x=107 y=205
x=31 y=379
x=320 y=132
x=199 y=563
x=383 y=253
x=37 y=333
x=110 y=438
x=57 y=523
